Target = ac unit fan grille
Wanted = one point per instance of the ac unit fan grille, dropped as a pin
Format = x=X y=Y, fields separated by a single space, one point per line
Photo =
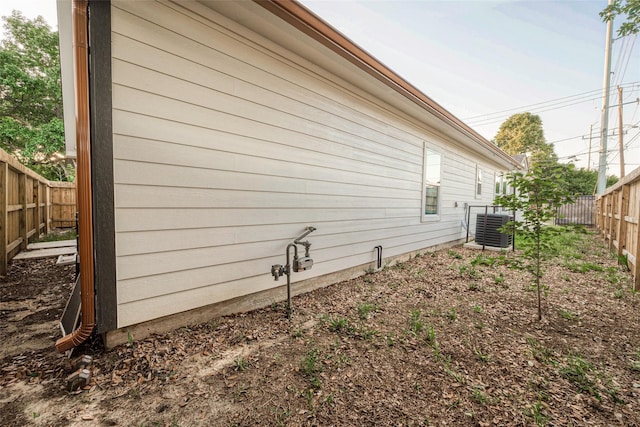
x=487 y=230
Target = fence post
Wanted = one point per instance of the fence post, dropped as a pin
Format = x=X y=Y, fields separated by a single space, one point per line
x=622 y=222
x=612 y=218
x=36 y=212
x=636 y=266
x=22 y=197
x=4 y=202
x=47 y=207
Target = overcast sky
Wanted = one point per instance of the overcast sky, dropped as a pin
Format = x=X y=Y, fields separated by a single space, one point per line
x=481 y=57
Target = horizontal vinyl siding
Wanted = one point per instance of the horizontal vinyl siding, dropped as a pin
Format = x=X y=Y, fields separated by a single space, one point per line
x=225 y=151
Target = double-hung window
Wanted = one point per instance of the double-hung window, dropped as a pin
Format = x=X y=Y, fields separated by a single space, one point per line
x=432 y=175
x=478 y=182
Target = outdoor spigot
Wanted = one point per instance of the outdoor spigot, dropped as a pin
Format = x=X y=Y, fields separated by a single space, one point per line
x=276 y=271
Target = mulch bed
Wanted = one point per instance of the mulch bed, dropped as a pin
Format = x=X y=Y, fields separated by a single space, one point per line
x=447 y=338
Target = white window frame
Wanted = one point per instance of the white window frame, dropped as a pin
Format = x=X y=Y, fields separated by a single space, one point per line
x=478 y=182
x=426 y=217
x=500 y=183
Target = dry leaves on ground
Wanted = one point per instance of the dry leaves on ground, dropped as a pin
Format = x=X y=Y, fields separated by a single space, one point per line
x=447 y=338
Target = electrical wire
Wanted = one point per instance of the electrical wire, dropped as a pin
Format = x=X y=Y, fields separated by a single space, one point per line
x=619 y=60
x=502 y=118
x=633 y=42
x=589 y=94
x=499 y=119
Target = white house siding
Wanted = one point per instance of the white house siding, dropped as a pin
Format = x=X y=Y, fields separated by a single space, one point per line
x=224 y=151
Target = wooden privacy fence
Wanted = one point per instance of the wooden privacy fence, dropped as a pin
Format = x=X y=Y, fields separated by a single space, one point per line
x=30 y=205
x=580 y=212
x=617 y=213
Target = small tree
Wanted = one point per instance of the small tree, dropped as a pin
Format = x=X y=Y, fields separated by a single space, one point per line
x=537 y=194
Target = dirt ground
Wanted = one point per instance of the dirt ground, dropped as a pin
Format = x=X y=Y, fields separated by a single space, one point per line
x=448 y=338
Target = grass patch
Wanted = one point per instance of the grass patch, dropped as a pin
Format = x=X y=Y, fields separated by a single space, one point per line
x=416 y=324
x=578 y=371
x=57 y=236
x=541 y=353
x=240 y=364
x=311 y=366
x=340 y=324
x=536 y=412
x=468 y=271
x=583 y=267
x=567 y=315
x=454 y=254
x=365 y=310
x=479 y=396
x=482 y=259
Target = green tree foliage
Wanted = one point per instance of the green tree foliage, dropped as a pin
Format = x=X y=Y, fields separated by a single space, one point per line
x=538 y=194
x=522 y=133
x=629 y=8
x=31 y=126
x=583 y=182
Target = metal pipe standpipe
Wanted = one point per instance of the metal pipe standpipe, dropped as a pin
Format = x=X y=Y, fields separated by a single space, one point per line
x=299 y=263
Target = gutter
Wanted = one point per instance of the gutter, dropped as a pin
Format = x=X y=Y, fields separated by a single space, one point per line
x=83 y=181
x=315 y=27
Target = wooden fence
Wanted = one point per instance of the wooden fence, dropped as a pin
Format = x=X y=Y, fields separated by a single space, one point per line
x=30 y=205
x=617 y=214
x=580 y=212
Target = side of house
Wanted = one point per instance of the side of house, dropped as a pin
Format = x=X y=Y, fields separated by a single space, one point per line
x=231 y=129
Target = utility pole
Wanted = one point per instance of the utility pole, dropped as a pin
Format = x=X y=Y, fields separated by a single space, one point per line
x=602 y=165
x=589 y=156
x=620 y=137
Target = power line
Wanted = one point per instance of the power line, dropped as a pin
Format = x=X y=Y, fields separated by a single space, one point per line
x=556 y=101
x=635 y=36
x=499 y=119
x=621 y=54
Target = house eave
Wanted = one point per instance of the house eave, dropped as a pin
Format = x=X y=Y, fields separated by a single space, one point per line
x=412 y=101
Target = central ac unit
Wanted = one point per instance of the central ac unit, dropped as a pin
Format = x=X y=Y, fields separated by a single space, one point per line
x=488 y=230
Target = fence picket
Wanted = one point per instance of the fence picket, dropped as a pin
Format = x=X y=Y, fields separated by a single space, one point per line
x=617 y=220
x=26 y=207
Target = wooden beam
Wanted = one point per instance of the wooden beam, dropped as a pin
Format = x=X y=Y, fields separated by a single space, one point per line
x=11 y=246
x=4 y=196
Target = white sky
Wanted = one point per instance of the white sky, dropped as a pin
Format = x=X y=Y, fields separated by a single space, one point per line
x=477 y=57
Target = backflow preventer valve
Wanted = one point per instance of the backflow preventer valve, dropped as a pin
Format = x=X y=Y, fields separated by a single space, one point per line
x=300 y=263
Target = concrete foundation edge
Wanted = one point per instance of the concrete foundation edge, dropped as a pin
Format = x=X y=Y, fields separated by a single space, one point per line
x=250 y=302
